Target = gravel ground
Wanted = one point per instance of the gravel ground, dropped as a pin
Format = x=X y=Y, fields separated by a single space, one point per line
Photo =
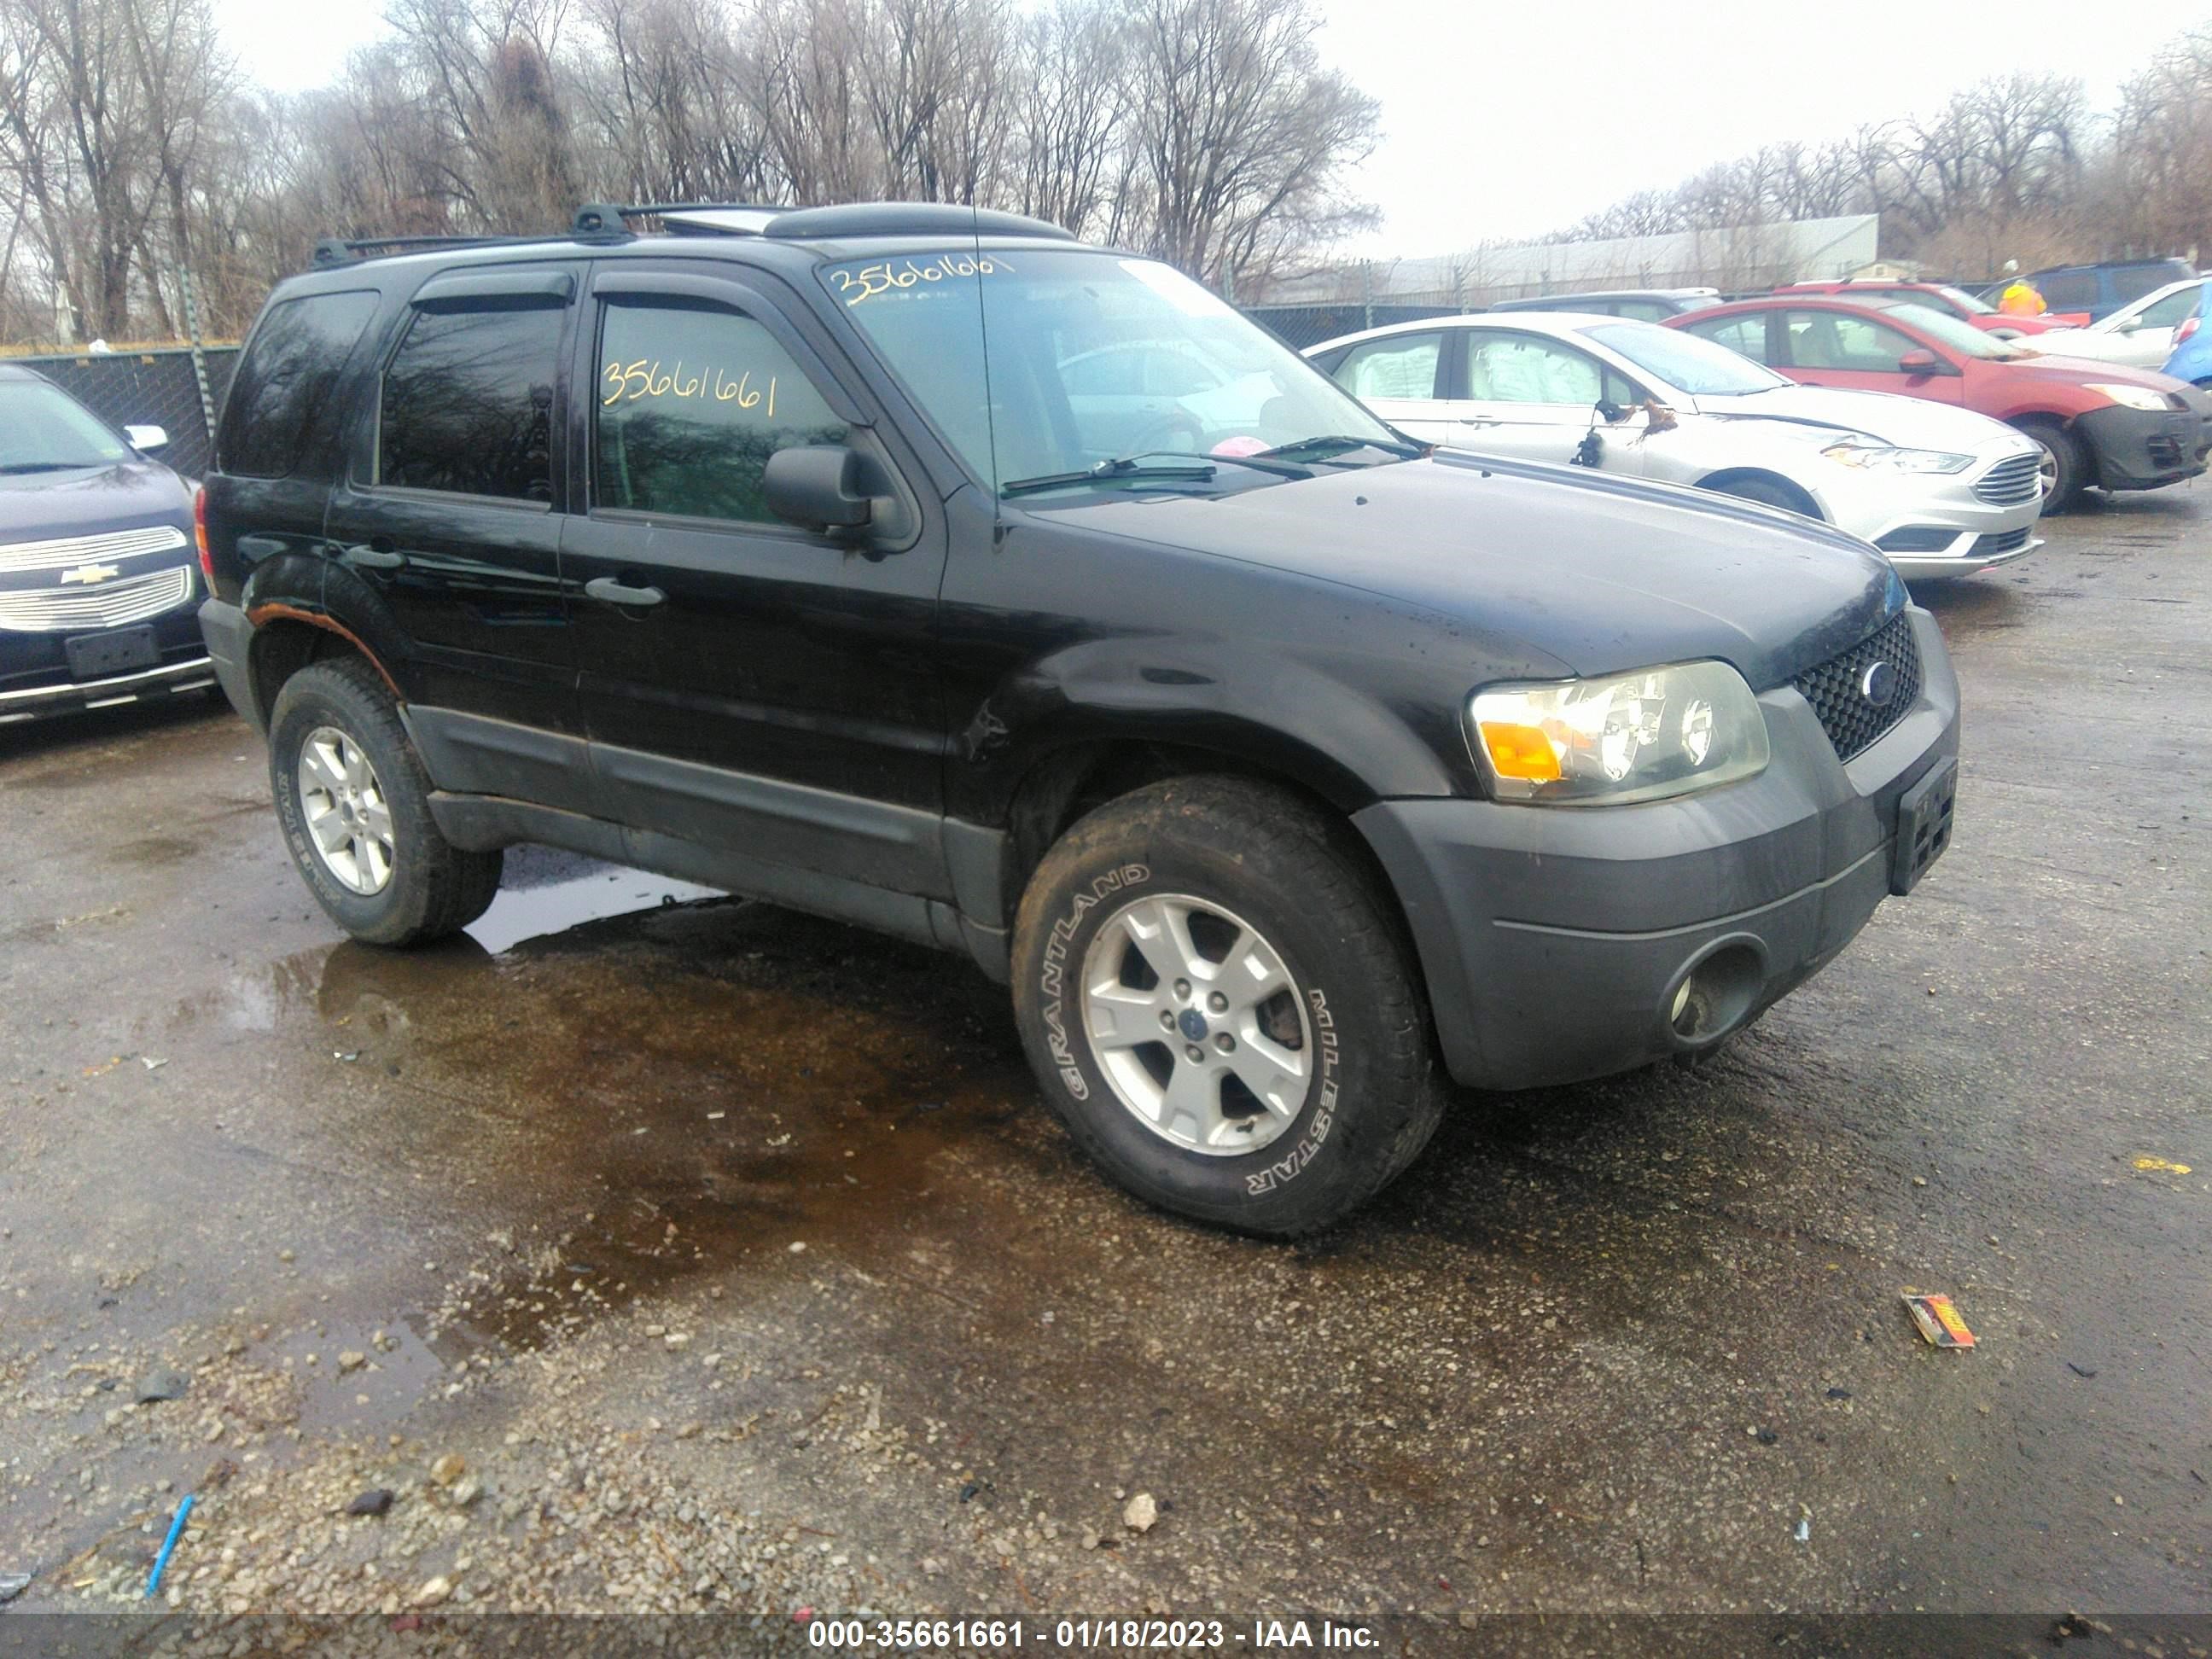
x=658 y=1252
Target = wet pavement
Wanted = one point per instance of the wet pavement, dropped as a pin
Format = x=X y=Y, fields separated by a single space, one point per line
x=733 y=1255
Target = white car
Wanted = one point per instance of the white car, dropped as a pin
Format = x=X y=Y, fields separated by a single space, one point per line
x=2140 y=334
x=1940 y=490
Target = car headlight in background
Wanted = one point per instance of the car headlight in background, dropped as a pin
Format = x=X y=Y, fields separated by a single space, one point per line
x=1880 y=457
x=2132 y=396
x=1656 y=733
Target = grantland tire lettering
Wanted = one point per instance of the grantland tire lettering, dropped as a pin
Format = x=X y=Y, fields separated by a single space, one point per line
x=1055 y=954
x=1289 y=1168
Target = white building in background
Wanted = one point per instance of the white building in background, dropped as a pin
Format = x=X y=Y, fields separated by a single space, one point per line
x=1750 y=255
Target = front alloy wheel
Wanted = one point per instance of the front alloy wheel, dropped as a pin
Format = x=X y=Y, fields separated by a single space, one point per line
x=346 y=812
x=1196 y=1024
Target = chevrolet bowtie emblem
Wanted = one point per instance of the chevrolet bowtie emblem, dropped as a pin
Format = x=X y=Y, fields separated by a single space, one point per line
x=90 y=574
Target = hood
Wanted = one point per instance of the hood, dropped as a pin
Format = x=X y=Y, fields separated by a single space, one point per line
x=2082 y=371
x=1602 y=573
x=37 y=506
x=1905 y=423
x=2093 y=344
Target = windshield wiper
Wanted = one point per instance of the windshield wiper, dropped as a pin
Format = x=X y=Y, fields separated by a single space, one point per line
x=12 y=467
x=1111 y=472
x=1335 y=444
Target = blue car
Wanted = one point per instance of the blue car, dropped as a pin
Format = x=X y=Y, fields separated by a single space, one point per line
x=2192 y=346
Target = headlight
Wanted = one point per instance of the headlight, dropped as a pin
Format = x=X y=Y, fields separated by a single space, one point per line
x=1633 y=737
x=2133 y=397
x=1880 y=457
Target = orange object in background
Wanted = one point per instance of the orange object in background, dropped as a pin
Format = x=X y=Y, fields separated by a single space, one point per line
x=2021 y=299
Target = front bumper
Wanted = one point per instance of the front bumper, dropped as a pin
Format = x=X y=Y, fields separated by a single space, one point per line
x=1557 y=942
x=1937 y=524
x=69 y=697
x=2145 y=449
x=36 y=681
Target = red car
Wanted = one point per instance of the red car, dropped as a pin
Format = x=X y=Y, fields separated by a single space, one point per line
x=2098 y=423
x=1952 y=301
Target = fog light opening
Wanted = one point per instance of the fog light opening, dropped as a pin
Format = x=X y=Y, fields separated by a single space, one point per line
x=1716 y=995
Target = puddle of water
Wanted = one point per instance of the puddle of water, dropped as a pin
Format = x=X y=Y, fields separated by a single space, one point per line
x=531 y=911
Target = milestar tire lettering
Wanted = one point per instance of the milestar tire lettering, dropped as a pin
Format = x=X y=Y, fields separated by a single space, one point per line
x=1289 y=1168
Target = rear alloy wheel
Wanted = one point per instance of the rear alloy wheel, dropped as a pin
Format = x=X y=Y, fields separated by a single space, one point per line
x=1221 y=1005
x=354 y=803
x=2062 y=466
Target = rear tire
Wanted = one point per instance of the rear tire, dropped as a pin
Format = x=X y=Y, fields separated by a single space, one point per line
x=353 y=800
x=2064 y=466
x=1295 y=1076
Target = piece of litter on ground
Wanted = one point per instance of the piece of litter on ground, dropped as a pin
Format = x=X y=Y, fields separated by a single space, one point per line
x=798 y=1246
x=347 y=1054
x=153 y=1065
x=13 y=1585
x=168 y=1544
x=712 y=1116
x=1939 y=1320
x=1804 y=1532
x=2079 y=1370
x=2160 y=1166
x=641 y=1129
x=1141 y=1513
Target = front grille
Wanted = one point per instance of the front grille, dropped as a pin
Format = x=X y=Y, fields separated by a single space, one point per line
x=67 y=550
x=2010 y=482
x=65 y=610
x=2001 y=541
x=1833 y=689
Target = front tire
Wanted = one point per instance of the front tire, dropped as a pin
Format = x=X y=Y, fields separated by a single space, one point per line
x=1220 y=1008
x=2065 y=469
x=353 y=801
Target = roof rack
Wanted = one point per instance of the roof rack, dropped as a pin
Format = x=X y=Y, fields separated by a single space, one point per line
x=805 y=223
x=345 y=250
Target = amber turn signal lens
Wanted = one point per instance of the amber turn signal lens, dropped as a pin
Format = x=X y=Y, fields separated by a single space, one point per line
x=1519 y=752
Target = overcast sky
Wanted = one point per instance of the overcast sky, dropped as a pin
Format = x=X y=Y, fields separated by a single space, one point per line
x=1502 y=121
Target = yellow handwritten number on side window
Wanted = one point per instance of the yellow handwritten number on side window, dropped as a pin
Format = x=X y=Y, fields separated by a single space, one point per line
x=628 y=382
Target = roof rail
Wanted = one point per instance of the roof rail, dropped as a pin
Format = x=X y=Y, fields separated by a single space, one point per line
x=596 y=219
x=345 y=250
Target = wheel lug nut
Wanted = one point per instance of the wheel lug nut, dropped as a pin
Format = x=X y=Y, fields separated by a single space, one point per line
x=1195 y=1054
x=1182 y=989
x=1167 y=1020
x=1225 y=1043
x=1218 y=1003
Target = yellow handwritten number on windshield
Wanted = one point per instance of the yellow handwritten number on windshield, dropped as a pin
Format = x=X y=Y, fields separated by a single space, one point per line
x=628 y=382
x=889 y=276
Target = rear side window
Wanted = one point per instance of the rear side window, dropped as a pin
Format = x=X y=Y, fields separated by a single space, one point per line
x=1745 y=334
x=2135 y=281
x=1395 y=366
x=2068 y=291
x=691 y=403
x=468 y=403
x=285 y=381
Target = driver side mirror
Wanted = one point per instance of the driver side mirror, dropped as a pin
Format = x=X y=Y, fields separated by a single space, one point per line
x=144 y=439
x=817 y=488
x=1920 y=360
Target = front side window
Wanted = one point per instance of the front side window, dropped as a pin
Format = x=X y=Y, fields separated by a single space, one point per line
x=1846 y=342
x=2171 y=311
x=2136 y=281
x=2067 y=290
x=1396 y=366
x=44 y=430
x=468 y=403
x=1523 y=368
x=691 y=403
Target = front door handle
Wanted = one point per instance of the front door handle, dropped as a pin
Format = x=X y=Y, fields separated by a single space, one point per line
x=1477 y=420
x=615 y=593
x=374 y=555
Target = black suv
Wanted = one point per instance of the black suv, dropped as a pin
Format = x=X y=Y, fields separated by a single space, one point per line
x=98 y=578
x=1285 y=768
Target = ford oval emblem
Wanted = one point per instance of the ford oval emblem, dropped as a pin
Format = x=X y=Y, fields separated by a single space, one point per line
x=1878 y=684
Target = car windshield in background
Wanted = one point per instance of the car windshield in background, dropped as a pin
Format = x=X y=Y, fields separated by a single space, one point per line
x=1684 y=362
x=45 y=431
x=1960 y=336
x=1092 y=358
x=1966 y=302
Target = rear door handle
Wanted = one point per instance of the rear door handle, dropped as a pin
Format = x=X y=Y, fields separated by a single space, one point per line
x=368 y=556
x=615 y=593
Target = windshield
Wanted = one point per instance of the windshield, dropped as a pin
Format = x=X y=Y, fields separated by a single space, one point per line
x=1960 y=336
x=1684 y=362
x=43 y=429
x=1093 y=357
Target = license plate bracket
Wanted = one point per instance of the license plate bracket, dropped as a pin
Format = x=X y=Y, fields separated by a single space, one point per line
x=115 y=651
x=1924 y=825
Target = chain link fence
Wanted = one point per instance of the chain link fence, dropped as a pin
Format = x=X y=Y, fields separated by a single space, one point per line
x=178 y=388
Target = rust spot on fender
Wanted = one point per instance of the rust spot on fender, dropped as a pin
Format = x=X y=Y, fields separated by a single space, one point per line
x=261 y=613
